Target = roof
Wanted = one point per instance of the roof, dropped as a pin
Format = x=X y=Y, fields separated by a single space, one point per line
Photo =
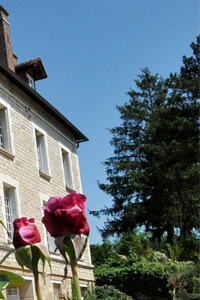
x=34 y=67
x=20 y=83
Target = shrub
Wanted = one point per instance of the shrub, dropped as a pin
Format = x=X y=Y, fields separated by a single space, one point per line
x=137 y=275
x=107 y=293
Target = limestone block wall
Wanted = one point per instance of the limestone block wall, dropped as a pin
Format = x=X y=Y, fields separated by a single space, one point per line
x=19 y=169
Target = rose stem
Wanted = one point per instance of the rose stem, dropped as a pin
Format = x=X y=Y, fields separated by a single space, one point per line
x=37 y=285
x=76 y=281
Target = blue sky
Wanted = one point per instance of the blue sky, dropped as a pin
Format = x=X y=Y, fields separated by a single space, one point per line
x=92 y=51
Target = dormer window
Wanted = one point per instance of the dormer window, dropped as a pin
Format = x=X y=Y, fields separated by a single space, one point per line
x=30 y=81
x=31 y=71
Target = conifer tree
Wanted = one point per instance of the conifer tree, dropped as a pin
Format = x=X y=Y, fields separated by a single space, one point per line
x=153 y=174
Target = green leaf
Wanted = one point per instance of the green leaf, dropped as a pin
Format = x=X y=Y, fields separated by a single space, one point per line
x=24 y=256
x=4 y=281
x=74 y=245
x=59 y=244
x=44 y=254
x=14 y=280
x=79 y=243
x=69 y=248
x=30 y=255
x=40 y=251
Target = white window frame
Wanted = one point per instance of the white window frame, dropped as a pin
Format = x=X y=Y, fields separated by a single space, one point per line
x=6 y=146
x=41 y=150
x=49 y=239
x=83 y=288
x=15 y=296
x=56 y=286
x=50 y=242
x=31 y=279
x=7 y=183
x=68 y=179
x=10 y=207
x=30 y=81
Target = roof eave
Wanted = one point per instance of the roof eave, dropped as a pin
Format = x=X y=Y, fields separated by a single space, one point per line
x=19 y=82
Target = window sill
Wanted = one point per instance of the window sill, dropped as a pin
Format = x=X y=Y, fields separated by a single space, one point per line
x=44 y=175
x=6 y=153
x=6 y=246
x=69 y=189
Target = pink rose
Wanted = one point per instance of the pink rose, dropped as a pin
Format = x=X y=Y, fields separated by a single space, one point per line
x=66 y=215
x=25 y=232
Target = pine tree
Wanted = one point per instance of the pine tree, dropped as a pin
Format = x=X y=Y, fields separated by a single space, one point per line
x=153 y=174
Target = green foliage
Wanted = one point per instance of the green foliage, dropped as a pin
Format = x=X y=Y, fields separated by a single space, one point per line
x=153 y=174
x=185 y=284
x=142 y=244
x=186 y=249
x=152 y=278
x=14 y=279
x=100 y=253
x=9 y=280
x=3 y=284
x=133 y=241
x=139 y=266
x=107 y=293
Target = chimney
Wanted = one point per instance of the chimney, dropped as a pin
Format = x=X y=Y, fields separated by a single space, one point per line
x=6 y=53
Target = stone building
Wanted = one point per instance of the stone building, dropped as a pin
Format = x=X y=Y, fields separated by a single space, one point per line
x=38 y=159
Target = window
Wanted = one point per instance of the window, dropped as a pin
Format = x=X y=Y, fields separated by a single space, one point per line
x=84 y=292
x=12 y=294
x=26 y=291
x=10 y=208
x=56 y=291
x=30 y=81
x=4 y=129
x=41 y=152
x=50 y=240
x=67 y=169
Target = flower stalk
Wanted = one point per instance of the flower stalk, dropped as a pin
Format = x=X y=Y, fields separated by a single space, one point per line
x=76 y=281
x=37 y=285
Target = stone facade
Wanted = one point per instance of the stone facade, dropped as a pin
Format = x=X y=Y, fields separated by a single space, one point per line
x=24 y=116
x=19 y=171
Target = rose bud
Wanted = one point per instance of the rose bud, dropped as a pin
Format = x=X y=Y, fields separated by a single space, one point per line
x=25 y=232
x=66 y=215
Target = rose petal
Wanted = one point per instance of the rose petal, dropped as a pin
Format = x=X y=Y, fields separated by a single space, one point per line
x=19 y=222
x=73 y=199
x=53 y=225
x=32 y=220
x=80 y=201
x=86 y=229
x=54 y=203
x=68 y=201
x=66 y=215
x=30 y=234
x=73 y=219
x=25 y=232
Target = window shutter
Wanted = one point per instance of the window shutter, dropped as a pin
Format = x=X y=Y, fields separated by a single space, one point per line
x=13 y=203
x=44 y=155
x=4 y=130
x=67 y=169
x=38 y=142
x=41 y=152
x=1 y=130
x=50 y=242
x=10 y=208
